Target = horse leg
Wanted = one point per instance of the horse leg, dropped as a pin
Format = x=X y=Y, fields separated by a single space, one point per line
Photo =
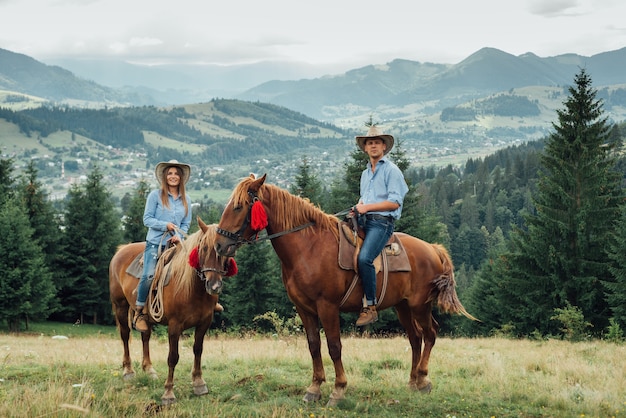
x=198 y=383
x=311 y=327
x=429 y=327
x=146 y=362
x=121 y=317
x=330 y=322
x=414 y=334
x=173 y=330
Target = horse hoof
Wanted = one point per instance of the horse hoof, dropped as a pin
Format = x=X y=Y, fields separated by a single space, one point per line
x=200 y=390
x=312 y=397
x=332 y=402
x=168 y=401
x=129 y=376
x=427 y=388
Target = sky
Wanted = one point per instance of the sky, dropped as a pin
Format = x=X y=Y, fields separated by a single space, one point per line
x=340 y=34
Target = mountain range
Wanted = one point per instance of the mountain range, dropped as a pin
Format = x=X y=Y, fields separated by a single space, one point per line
x=398 y=85
x=440 y=113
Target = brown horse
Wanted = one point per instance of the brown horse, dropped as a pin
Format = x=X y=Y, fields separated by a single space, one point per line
x=187 y=301
x=317 y=285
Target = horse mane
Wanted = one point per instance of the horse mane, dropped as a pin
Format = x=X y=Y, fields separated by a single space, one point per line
x=291 y=210
x=184 y=275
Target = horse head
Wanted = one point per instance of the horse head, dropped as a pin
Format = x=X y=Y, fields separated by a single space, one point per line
x=210 y=266
x=243 y=217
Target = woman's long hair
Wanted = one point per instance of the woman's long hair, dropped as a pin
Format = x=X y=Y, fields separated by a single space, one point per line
x=181 y=188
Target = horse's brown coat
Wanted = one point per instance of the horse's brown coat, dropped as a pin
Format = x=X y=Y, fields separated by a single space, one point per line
x=186 y=303
x=316 y=284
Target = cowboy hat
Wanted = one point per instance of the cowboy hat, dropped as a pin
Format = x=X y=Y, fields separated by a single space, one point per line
x=375 y=132
x=159 y=171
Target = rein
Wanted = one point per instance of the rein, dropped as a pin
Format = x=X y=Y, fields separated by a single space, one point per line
x=238 y=236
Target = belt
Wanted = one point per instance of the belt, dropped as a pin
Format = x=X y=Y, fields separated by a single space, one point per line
x=377 y=217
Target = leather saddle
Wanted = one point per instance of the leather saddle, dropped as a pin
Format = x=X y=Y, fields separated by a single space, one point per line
x=135 y=268
x=350 y=238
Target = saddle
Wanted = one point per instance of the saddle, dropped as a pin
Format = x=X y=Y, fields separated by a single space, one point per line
x=135 y=268
x=392 y=258
x=395 y=256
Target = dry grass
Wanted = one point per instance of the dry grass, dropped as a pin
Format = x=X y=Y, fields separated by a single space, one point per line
x=42 y=376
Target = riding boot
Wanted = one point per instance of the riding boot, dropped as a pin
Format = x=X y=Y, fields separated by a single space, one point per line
x=367 y=316
x=140 y=322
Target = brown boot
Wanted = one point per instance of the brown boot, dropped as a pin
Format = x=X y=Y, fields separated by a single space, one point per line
x=218 y=307
x=367 y=316
x=140 y=322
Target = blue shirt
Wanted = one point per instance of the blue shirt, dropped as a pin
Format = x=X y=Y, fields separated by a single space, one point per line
x=156 y=216
x=386 y=183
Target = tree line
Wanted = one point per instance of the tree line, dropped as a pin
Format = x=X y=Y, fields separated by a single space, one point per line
x=537 y=233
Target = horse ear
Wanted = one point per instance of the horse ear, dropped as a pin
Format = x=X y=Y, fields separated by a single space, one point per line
x=202 y=225
x=256 y=184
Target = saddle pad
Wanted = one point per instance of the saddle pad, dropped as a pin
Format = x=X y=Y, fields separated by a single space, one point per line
x=397 y=259
x=135 y=268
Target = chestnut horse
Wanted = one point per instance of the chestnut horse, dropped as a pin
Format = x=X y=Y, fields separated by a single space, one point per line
x=306 y=241
x=187 y=301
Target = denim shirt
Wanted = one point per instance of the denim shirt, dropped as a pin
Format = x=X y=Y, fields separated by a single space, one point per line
x=156 y=216
x=386 y=183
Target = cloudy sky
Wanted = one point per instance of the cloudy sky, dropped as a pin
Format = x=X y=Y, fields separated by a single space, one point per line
x=340 y=33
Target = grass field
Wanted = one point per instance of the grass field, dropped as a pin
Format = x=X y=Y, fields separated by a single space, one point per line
x=256 y=376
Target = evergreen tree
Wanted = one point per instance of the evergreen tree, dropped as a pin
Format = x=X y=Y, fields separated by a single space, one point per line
x=41 y=215
x=254 y=289
x=562 y=257
x=134 y=229
x=26 y=288
x=616 y=294
x=345 y=192
x=91 y=236
x=307 y=184
x=6 y=181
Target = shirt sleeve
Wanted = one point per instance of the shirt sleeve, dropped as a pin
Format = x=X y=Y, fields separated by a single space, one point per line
x=186 y=222
x=150 y=212
x=396 y=186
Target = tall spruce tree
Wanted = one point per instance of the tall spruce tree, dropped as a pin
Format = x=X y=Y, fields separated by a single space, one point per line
x=254 y=290
x=26 y=289
x=562 y=257
x=91 y=235
x=134 y=229
x=307 y=184
x=616 y=294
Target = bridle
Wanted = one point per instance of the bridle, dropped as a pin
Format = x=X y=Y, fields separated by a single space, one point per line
x=238 y=238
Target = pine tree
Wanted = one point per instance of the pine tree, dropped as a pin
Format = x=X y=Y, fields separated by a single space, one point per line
x=254 y=289
x=134 y=229
x=307 y=184
x=91 y=235
x=561 y=259
x=26 y=288
x=616 y=294
x=6 y=181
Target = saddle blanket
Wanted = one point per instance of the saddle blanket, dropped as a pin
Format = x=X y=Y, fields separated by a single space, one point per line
x=397 y=259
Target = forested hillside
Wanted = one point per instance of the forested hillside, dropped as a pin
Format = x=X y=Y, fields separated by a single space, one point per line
x=535 y=231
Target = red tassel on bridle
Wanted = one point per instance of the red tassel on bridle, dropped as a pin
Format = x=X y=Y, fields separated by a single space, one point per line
x=194 y=260
x=258 y=218
x=231 y=269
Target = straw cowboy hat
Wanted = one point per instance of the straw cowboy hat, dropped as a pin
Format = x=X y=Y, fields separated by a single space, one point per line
x=159 y=171
x=375 y=132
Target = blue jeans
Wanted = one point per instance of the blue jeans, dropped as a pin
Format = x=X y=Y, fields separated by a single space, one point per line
x=150 y=256
x=377 y=233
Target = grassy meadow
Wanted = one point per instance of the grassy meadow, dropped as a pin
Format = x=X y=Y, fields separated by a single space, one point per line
x=264 y=376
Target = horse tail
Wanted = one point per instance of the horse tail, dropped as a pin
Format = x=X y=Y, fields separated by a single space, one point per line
x=445 y=286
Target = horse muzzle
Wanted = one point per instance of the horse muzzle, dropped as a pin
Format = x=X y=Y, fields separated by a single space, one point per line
x=213 y=286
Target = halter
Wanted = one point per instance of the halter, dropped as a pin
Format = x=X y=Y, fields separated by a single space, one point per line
x=238 y=236
x=201 y=272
